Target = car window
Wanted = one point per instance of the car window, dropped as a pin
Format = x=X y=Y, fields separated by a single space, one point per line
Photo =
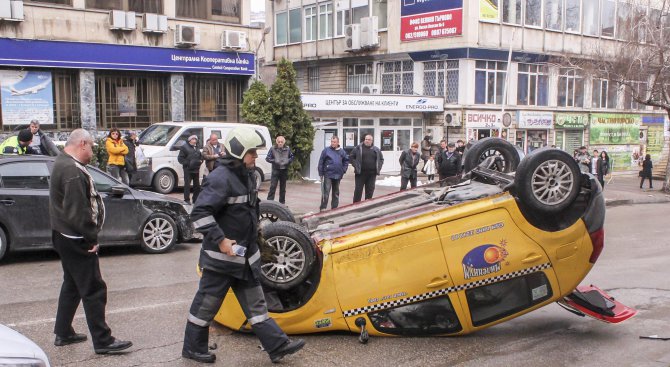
x=183 y=138
x=157 y=134
x=25 y=175
x=103 y=183
x=434 y=316
x=495 y=301
x=218 y=134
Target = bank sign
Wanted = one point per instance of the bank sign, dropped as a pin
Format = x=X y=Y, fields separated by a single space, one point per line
x=426 y=19
x=370 y=102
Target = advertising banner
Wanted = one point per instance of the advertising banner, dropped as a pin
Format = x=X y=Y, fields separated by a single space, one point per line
x=535 y=119
x=489 y=11
x=26 y=96
x=371 y=102
x=655 y=142
x=570 y=121
x=483 y=119
x=426 y=19
x=611 y=129
x=127 y=101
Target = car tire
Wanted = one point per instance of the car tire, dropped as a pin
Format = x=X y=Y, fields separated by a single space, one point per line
x=487 y=147
x=259 y=177
x=274 y=211
x=164 y=181
x=4 y=245
x=547 y=180
x=159 y=234
x=295 y=247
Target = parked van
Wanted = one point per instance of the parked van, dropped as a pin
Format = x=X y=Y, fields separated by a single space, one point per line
x=159 y=144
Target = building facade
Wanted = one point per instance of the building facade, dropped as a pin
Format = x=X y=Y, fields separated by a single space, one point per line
x=493 y=64
x=99 y=64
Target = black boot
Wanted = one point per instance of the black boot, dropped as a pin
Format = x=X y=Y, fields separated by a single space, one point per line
x=287 y=348
x=199 y=357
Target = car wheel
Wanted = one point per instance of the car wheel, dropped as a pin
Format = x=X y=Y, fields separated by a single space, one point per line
x=294 y=256
x=488 y=147
x=259 y=177
x=164 y=181
x=273 y=211
x=159 y=234
x=547 y=180
x=3 y=244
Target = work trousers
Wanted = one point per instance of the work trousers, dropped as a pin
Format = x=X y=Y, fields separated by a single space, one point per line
x=188 y=177
x=404 y=180
x=278 y=175
x=83 y=282
x=364 y=180
x=327 y=185
x=207 y=301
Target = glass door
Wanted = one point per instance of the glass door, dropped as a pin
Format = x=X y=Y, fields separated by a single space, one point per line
x=387 y=146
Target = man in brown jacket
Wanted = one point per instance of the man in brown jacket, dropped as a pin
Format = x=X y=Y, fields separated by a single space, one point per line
x=212 y=152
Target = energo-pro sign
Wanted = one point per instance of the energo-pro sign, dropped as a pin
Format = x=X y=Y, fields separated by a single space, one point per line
x=367 y=102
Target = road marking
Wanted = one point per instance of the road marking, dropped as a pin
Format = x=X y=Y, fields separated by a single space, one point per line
x=112 y=312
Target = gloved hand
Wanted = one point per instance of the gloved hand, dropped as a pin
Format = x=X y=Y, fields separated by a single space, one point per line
x=268 y=253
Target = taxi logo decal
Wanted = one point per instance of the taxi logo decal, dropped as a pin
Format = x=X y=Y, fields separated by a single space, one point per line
x=323 y=323
x=483 y=260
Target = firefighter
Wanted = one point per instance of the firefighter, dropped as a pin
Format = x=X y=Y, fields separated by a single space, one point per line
x=226 y=213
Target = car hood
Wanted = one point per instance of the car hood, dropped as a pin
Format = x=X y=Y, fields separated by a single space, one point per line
x=13 y=344
x=151 y=150
x=150 y=195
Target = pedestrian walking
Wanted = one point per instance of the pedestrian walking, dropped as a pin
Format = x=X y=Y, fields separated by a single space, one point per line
x=41 y=143
x=212 y=152
x=116 y=155
x=281 y=157
x=77 y=214
x=448 y=164
x=227 y=216
x=131 y=162
x=429 y=168
x=367 y=161
x=602 y=167
x=409 y=159
x=190 y=159
x=18 y=144
x=647 y=166
x=333 y=164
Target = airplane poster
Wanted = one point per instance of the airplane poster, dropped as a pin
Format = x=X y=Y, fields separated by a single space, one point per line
x=26 y=96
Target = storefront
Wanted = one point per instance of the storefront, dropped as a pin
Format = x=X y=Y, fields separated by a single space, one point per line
x=652 y=136
x=483 y=124
x=619 y=136
x=569 y=130
x=394 y=122
x=533 y=129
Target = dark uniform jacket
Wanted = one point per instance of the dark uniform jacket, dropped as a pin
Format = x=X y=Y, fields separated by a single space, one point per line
x=448 y=166
x=228 y=208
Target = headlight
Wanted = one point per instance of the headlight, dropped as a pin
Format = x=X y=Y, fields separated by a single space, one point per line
x=21 y=362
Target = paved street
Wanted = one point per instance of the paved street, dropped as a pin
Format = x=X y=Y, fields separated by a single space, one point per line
x=149 y=297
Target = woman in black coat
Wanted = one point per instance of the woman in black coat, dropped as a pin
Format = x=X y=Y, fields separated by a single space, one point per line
x=646 y=171
x=603 y=167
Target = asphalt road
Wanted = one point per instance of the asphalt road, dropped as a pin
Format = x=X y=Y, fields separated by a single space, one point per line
x=149 y=296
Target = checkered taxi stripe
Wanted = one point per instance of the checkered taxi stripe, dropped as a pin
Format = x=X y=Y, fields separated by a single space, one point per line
x=441 y=292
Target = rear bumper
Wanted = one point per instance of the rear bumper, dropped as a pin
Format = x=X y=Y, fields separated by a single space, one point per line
x=142 y=177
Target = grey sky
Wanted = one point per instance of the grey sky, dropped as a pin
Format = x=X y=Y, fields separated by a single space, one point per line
x=257 y=5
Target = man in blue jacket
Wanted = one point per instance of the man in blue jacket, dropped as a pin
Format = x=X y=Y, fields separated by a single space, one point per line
x=332 y=166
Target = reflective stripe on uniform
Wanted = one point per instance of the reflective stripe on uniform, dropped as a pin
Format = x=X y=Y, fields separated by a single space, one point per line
x=238 y=199
x=258 y=319
x=194 y=320
x=253 y=258
x=202 y=222
x=221 y=256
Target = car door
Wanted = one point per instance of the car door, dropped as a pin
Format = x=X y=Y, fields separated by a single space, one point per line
x=122 y=213
x=24 y=203
x=399 y=283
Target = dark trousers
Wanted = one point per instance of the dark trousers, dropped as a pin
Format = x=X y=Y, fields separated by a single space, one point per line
x=651 y=185
x=188 y=177
x=83 y=282
x=364 y=180
x=601 y=179
x=327 y=185
x=207 y=301
x=404 y=180
x=278 y=175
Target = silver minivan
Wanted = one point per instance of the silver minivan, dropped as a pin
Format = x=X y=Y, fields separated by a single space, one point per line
x=159 y=144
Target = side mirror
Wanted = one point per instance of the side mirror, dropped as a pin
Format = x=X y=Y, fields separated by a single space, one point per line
x=118 y=191
x=177 y=145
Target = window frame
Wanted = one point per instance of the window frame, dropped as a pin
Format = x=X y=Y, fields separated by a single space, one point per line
x=289 y=26
x=499 y=67
x=277 y=30
x=342 y=19
x=313 y=78
x=398 y=77
x=614 y=19
x=354 y=79
x=561 y=18
x=595 y=21
x=565 y=17
x=541 y=15
x=536 y=72
x=329 y=16
x=521 y=18
x=313 y=18
x=571 y=76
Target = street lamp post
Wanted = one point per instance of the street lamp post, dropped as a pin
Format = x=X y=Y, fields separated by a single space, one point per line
x=258 y=47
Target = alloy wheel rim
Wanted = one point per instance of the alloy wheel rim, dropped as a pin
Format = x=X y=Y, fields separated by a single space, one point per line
x=552 y=182
x=158 y=234
x=290 y=260
x=267 y=218
x=492 y=153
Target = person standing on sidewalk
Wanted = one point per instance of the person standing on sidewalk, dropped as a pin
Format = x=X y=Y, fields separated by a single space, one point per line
x=212 y=152
x=647 y=166
x=77 y=213
x=280 y=156
x=584 y=160
x=602 y=165
x=131 y=162
x=190 y=159
x=367 y=161
x=333 y=164
x=448 y=163
x=429 y=169
x=409 y=160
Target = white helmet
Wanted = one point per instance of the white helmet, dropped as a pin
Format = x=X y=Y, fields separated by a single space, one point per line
x=241 y=139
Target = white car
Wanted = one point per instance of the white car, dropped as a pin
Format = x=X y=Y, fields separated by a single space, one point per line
x=17 y=350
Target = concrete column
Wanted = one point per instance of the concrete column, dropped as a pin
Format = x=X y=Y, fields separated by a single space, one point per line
x=177 y=96
x=87 y=100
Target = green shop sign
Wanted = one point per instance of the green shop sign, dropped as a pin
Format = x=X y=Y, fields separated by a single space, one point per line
x=570 y=120
x=610 y=128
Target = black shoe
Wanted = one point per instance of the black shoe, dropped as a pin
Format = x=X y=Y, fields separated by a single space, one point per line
x=289 y=347
x=71 y=339
x=199 y=357
x=115 y=346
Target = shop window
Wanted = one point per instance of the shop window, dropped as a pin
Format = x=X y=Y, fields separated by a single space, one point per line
x=138 y=6
x=431 y=317
x=398 y=77
x=553 y=14
x=313 y=79
x=607 y=18
x=349 y=122
x=212 y=98
x=533 y=13
x=570 y=88
x=638 y=89
x=57 y=2
x=220 y=10
x=511 y=11
x=489 y=81
x=132 y=100
x=357 y=75
x=379 y=9
x=310 y=23
x=496 y=301
x=603 y=93
x=532 y=85
x=325 y=21
x=590 y=17
x=573 y=16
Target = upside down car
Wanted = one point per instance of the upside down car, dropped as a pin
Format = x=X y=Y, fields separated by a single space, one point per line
x=512 y=235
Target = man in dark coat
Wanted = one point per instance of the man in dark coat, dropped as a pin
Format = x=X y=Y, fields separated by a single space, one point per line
x=409 y=159
x=280 y=156
x=333 y=164
x=190 y=159
x=367 y=161
x=227 y=216
x=448 y=163
x=131 y=164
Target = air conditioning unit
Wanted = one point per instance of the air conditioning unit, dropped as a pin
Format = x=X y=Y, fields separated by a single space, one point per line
x=371 y=89
x=186 y=35
x=154 y=23
x=352 y=37
x=452 y=118
x=17 y=10
x=370 y=32
x=233 y=39
x=121 y=20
